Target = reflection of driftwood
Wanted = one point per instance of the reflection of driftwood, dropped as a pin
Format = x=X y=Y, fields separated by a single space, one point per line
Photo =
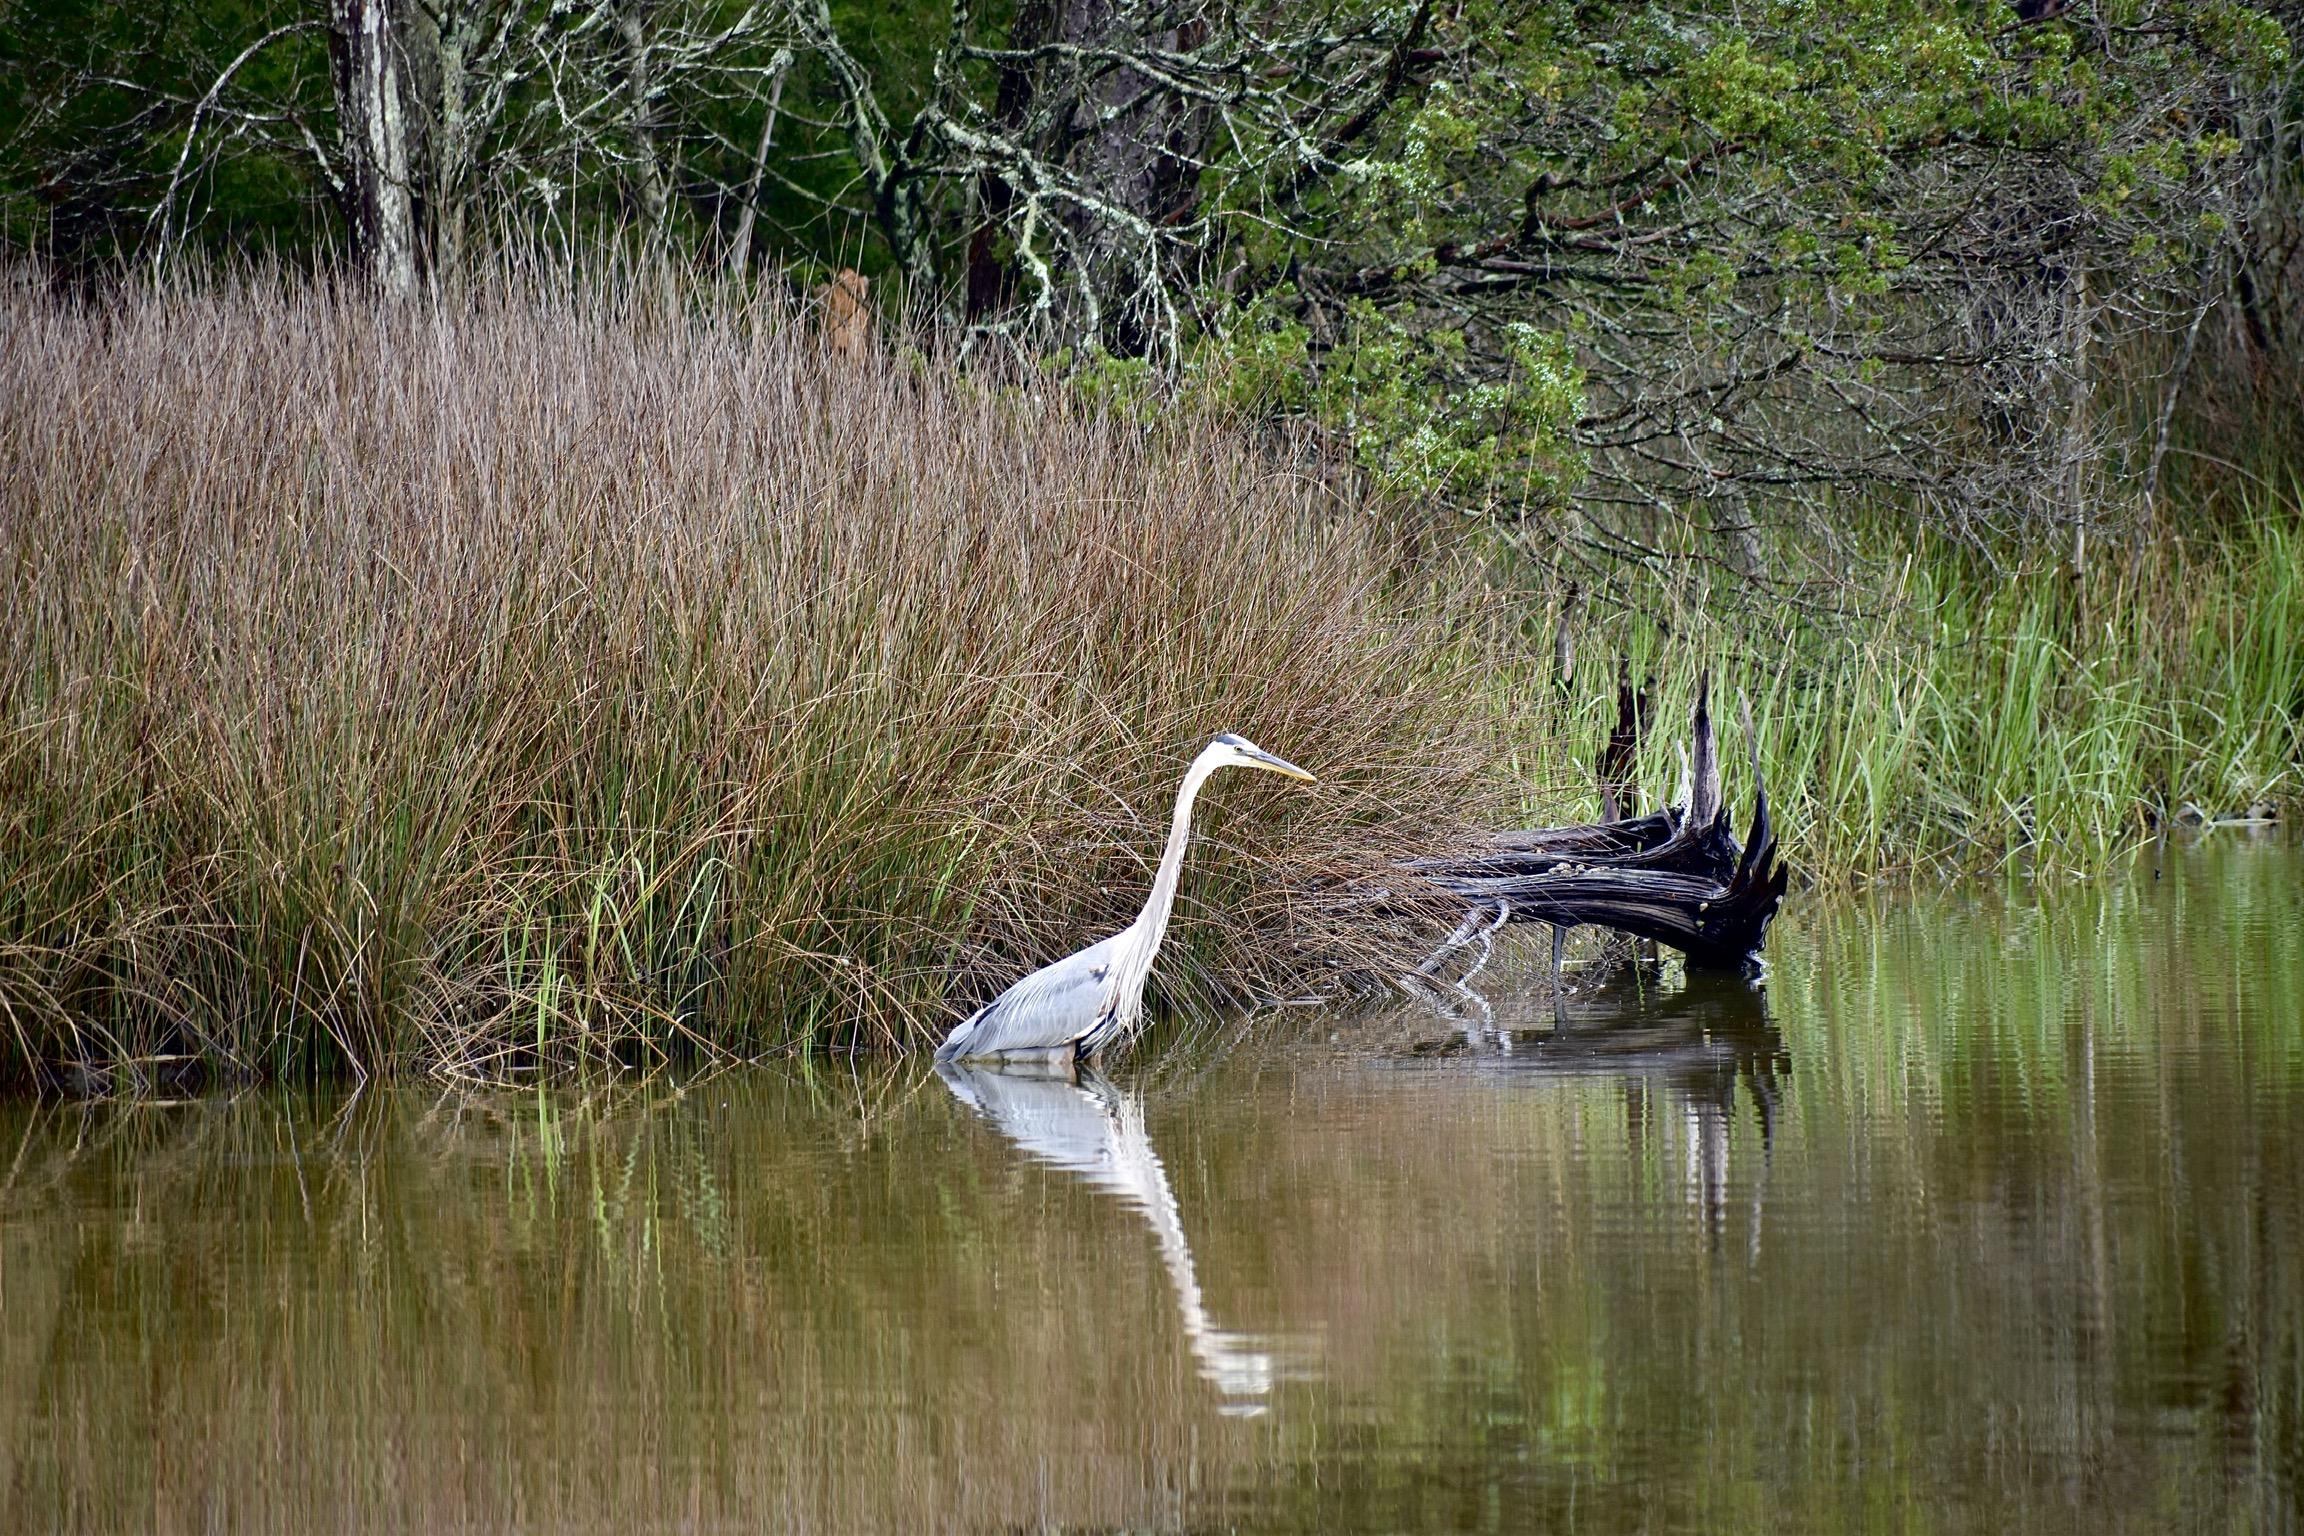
x=1708 y=1037
x=1687 y=1053
x=1675 y=875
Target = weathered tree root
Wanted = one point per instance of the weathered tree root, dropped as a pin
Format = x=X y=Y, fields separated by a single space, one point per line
x=1676 y=875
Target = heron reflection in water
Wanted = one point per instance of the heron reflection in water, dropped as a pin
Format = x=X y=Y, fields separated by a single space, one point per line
x=1083 y=1124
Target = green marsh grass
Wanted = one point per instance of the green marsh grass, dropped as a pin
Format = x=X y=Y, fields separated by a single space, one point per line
x=599 y=676
x=1954 y=712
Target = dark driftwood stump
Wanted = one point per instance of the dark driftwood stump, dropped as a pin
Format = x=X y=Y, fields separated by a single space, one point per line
x=1676 y=875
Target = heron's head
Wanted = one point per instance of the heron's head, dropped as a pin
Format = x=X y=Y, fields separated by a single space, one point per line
x=1239 y=751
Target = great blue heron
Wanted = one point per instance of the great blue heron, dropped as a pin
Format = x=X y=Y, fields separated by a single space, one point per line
x=1084 y=1002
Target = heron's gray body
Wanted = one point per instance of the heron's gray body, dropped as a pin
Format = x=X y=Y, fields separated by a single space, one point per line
x=1063 y=1010
x=1091 y=999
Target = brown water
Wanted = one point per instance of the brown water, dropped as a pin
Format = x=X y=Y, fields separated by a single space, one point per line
x=1987 y=1214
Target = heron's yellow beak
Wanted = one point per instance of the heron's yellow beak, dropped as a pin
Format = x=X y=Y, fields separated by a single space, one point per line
x=1259 y=758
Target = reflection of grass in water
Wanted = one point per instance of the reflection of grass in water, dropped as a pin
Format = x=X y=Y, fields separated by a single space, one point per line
x=2193 y=958
x=2028 y=1249
x=2071 y=1158
x=601 y=1310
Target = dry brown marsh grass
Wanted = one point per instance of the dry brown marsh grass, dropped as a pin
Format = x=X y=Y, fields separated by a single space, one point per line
x=589 y=676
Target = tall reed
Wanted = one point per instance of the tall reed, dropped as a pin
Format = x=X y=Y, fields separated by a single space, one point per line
x=591 y=674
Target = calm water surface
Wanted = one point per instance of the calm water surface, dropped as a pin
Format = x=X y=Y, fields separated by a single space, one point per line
x=1987 y=1213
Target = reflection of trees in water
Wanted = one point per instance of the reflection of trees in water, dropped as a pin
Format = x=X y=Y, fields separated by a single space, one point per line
x=1691 y=1048
x=1089 y=1127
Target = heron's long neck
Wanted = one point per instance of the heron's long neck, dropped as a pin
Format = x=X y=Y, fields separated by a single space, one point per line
x=1154 y=923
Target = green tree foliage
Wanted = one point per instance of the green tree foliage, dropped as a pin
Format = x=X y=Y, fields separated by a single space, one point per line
x=98 y=100
x=1778 y=250
x=137 y=131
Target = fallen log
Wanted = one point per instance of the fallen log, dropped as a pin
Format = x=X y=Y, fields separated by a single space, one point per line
x=1676 y=875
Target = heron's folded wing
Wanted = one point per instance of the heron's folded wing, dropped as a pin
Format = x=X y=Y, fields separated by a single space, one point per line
x=1054 y=1006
